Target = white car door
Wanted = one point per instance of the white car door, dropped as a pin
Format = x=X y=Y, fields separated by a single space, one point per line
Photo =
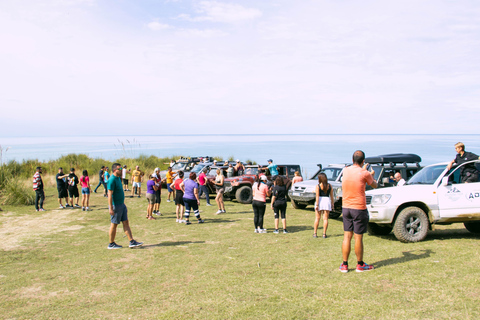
x=459 y=200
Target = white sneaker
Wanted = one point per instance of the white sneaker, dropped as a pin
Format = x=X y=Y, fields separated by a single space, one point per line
x=181 y=221
x=223 y=211
x=87 y=208
x=168 y=200
x=257 y=230
x=263 y=230
x=61 y=207
x=219 y=211
x=176 y=220
x=209 y=205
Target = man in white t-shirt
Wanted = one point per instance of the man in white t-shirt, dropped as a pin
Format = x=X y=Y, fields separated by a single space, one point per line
x=124 y=177
x=398 y=178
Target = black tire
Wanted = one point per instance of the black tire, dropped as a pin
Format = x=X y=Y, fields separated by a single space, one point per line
x=473 y=227
x=378 y=230
x=411 y=225
x=244 y=195
x=297 y=205
x=334 y=214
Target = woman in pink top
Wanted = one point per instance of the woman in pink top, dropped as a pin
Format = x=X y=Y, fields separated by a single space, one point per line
x=260 y=193
x=297 y=178
x=85 y=183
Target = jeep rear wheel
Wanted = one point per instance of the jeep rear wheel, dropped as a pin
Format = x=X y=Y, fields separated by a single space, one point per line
x=473 y=227
x=411 y=225
x=297 y=205
x=378 y=230
x=244 y=195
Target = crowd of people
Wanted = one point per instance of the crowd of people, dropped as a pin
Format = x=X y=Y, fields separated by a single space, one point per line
x=186 y=193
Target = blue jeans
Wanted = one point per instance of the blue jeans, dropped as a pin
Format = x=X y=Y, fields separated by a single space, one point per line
x=204 y=189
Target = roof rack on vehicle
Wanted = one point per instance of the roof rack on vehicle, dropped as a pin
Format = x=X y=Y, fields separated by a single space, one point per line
x=394 y=158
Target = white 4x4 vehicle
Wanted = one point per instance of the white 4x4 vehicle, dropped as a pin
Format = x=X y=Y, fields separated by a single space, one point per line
x=434 y=195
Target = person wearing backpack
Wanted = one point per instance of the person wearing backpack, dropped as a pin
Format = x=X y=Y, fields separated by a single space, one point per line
x=73 y=188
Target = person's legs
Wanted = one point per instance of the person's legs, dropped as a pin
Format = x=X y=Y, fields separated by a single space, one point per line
x=276 y=209
x=84 y=200
x=99 y=184
x=37 y=198
x=127 y=230
x=88 y=200
x=222 y=203
x=325 y=221
x=358 y=246
x=139 y=190
x=187 y=211
x=261 y=214
x=318 y=215
x=255 y=214
x=283 y=215
x=346 y=245
x=133 y=189
x=105 y=187
x=112 y=232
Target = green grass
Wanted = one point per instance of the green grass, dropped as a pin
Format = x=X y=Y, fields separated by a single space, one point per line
x=55 y=265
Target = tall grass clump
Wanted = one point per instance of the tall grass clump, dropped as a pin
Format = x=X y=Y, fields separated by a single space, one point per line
x=15 y=192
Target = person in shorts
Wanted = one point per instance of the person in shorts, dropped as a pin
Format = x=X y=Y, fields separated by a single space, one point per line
x=85 y=183
x=73 y=188
x=38 y=187
x=468 y=173
x=137 y=178
x=158 y=193
x=151 y=190
x=355 y=214
x=180 y=206
x=124 y=177
x=190 y=197
x=117 y=209
x=61 y=178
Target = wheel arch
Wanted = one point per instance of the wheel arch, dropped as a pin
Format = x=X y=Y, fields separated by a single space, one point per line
x=417 y=204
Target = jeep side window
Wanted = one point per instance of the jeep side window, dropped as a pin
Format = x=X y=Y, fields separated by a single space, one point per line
x=410 y=173
x=454 y=175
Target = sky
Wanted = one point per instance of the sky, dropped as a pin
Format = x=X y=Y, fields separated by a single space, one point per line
x=111 y=67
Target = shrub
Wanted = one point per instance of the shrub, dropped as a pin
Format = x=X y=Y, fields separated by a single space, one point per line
x=16 y=192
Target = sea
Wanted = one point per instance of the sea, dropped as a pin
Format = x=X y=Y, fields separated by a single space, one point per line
x=307 y=150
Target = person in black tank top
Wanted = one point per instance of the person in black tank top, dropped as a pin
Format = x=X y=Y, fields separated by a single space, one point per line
x=279 y=203
x=323 y=203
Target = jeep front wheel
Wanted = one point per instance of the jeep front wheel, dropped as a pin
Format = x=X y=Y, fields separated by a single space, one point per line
x=297 y=205
x=244 y=195
x=411 y=225
x=473 y=227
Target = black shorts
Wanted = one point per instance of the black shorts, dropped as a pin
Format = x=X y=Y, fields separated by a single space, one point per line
x=179 y=197
x=73 y=192
x=125 y=182
x=469 y=177
x=355 y=220
x=62 y=193
x=158 y=195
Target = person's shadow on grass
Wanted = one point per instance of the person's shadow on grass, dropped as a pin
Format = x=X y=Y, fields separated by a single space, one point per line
x=407 y=256
x=169 y=244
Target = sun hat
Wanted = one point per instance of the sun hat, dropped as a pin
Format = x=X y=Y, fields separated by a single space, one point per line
x=264 y=178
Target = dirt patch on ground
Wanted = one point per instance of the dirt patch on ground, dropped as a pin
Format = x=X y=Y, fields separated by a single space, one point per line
x=15 y=230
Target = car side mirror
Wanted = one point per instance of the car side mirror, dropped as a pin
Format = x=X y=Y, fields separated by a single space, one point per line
x=445 y=181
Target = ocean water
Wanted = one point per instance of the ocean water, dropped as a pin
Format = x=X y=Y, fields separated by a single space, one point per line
x=306 y=150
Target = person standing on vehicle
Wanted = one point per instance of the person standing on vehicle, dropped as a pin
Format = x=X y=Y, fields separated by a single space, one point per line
x=117 y=209
x=279 y=203
x=468 y=172
x=220 y=187
x=203 y=188
x=297 y=178
x=323 y=203
x=101 y=180
x=230 y=171
x=239 y=168
x=355 y=214
x=398 y=178
x=38 y=187
x=260 y=192
x=273 y=168
x=62 y=188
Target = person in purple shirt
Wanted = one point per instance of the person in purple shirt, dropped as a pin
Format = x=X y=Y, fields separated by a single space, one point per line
x=190 y=197
x=151 y=190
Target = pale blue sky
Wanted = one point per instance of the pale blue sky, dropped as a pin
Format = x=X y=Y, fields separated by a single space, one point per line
x=93 y=66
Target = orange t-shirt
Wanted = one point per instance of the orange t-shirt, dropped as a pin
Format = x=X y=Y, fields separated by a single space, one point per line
x=353 y=187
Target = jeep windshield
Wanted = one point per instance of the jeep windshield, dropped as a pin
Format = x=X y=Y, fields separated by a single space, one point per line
x=251 y=170
x=331 y=173
x=427 y=175
x=179 y=166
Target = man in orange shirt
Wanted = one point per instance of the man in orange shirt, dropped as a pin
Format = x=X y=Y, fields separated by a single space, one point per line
x=355 y=214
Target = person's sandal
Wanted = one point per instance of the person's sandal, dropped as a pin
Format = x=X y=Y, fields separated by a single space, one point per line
x=315 y=235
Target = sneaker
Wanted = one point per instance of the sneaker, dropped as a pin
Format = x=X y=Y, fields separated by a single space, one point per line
x=176 y=220
x=365 y=267
x=181 y=221
x=83 y=208
x=77 y=206
x=168 y=200
x=201 y=221
x=36 y=210
x=209 y=205
x=223 y=211
x=315 y=235
x=41 y=209
x=113 y=245
x=187 y=222
x=219 y=211
x=275 y=231
x=285 y=231
x=157 y=213
x=61 y=207
x=263 y=230
x=134 y=244
x=343 y=268
x=257 y=230
x=67 y=206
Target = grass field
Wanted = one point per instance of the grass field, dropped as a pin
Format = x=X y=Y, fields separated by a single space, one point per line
x=55 y=264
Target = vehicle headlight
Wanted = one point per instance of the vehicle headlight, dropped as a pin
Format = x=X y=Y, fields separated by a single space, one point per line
x=380 y=198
